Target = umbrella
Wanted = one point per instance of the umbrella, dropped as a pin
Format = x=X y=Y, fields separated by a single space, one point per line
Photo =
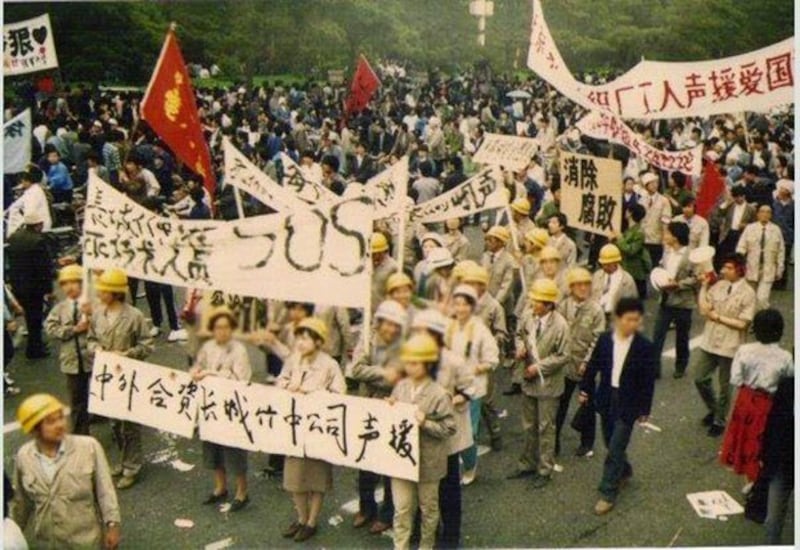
x=519 y=94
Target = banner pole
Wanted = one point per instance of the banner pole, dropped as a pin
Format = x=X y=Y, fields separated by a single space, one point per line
x=515 y=243
x=401 y=238
x=239 y=206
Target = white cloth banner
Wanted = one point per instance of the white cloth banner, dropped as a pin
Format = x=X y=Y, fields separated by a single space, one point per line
x=127 y=389
x=17 y=143
x=309 y=191
x=510 y=152
x=388 y=190
x=320 y=254
x=483 y=191
x=28 y=46
x=604 y=125
x=591 y=192
x=356 y=432
x=755 y=81
x=246 y=176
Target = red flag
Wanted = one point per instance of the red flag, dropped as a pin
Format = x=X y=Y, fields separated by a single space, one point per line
x=169 y=108
x=711 y=188
x=364 y=84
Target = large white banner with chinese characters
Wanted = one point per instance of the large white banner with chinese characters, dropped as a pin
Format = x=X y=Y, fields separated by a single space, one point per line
x=604 y=125
x=591 y=193
x=483 y=191
x=755 y=81
x=246 y=176
x=28 y=46
x=127 y=389
x=356 y=432
x=319 y=254
x=17 y=143
x=510 y=152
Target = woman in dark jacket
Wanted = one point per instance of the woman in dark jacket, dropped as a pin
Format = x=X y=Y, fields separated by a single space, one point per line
x=778 y=458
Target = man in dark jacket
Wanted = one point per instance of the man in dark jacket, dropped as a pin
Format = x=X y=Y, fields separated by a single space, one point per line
x=626 y=363
x=30 y=270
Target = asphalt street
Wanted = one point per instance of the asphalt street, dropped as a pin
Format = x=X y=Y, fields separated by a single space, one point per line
x=652 y=511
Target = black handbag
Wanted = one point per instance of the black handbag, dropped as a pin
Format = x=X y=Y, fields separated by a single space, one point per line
x=583 y=417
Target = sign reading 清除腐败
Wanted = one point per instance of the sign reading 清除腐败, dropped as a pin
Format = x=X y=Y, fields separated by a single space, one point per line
x=591 y=192
x=320 y=254
x=28 y=46
x=355 y=432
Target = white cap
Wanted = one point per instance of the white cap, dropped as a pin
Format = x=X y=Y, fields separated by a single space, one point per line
x=391 y=311
x=431 y=319
x=113 y=122
x=648 y=177
x=32 y=218
x=431 y=236
x=440 y=257
x=466 y=290
x=785 y=184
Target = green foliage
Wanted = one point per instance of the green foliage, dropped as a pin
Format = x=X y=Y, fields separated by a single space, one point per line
x=119 y=42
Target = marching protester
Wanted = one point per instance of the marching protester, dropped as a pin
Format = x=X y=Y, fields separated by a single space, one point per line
x=33 y=200
x=699 y=232
x=420 y=357
x=383 y=265
x=783 y=216
x=306 y=370
x=63 y=486
x=635 y=256
x=227 y=358
x=658 y=212
x=68 y=323
x=557 y=225
x=118 y=327
x=611 y=282
x=761 y=243
x=625 y=361
x=736 y=214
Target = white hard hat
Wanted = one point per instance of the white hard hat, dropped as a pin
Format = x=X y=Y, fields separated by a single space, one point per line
x=431 y=319
x=391 y=311
x=440 y=257
x=468 y=291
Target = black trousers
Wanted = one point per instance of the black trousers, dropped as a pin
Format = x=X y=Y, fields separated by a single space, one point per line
x=641 y=288
x=726 y=247
x=683 y=325
x=656 y=252
x=450 y=505
x=617 y=435
x=588 y=435
x=155 y=292
x=33 y=304
x=78 y=387
x=781 y=283
x=367 y=505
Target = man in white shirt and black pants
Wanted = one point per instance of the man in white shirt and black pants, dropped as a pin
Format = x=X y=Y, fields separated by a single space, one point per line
x=626 y=362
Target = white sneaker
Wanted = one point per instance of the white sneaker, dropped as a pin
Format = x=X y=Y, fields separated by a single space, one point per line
x=154 y=332
x=558 y=468
x=468 y=477
x=178 y=335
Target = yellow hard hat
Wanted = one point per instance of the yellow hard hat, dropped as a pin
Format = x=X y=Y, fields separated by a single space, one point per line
x=544 y=290
x=610 y=254
x=521 y=206
x=397 y=280
x=462 y=267
x=477 y=274
x=113 y=280
x=72 y=272
x=419 y=348
x=315 y=325
x=578 y=275
x=549 y=253
x=36 y=408
x=500 y=233
x=378 y=243
x=538 y=237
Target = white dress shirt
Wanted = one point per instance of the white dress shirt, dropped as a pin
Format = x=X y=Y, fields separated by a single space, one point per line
x=610 y=285
x=738 y=212
x=621 y=348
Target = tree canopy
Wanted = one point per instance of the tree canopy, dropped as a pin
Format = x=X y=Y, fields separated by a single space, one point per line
x=118 y=42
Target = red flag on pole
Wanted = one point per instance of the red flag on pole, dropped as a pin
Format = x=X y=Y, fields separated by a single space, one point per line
x=169 y=108
x=364 y=84
x=712 y=186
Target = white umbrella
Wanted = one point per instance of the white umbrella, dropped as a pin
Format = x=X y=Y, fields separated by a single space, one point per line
x=519 y=94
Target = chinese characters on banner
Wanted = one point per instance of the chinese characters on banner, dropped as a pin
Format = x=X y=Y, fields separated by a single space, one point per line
x=604 y=125
x=755 y=81
x=591 y=193
x=246 y=176
x=28 y=46
x=355 y=432
x=319 y=254
x=483 y=191
x=311 y=192
x=388 y=189
x=17 y=143
x=155 y=396
x=510 y=152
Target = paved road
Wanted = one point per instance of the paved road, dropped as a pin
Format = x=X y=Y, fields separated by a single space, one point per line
x=652 y=511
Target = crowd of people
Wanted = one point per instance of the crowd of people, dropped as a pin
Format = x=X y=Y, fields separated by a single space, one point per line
x=563 y=309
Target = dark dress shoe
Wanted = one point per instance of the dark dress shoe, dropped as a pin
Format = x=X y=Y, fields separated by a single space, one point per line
x=305 y=533
x=38 y=354
x=214 y=498
x=521 y=474
x=678 y=374
x=497 y=444
x=708 y=420
x=515 y=389
x=716 y=430
x=237 y=504
x=292 y=530
x=540 y=482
